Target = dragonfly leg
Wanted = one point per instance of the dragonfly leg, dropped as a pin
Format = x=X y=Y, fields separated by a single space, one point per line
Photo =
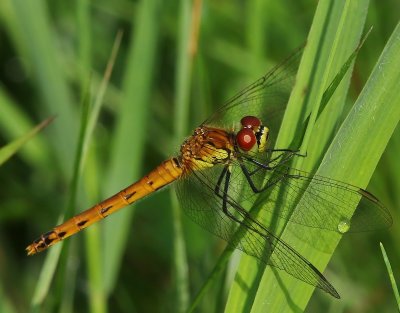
x=226 y=173
x=297 y=151
x=270 y=181
x=221 y=177
x=284 y=157
x=225 y=193
x=247 y=220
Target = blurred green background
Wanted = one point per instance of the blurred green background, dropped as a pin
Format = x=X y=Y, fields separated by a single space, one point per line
x=176 y=62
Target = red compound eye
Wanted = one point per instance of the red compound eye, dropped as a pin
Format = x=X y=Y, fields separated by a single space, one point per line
x=246 y=139
x=250 y=122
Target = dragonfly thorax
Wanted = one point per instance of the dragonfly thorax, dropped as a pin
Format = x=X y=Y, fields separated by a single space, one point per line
x=253 y=136
x=207 y=147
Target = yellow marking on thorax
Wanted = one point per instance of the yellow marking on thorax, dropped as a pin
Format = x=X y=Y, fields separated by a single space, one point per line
x=205 y=148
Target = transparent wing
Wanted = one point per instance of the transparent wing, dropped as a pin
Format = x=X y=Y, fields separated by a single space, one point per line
x=264 y=187
x=266 y=98
x=321 y=202
x=199 y=200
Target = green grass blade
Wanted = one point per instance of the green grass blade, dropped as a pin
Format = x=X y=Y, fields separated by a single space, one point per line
x=48 y=50
x=212 y=278
x=88 y=121
x=39 y=48
x=323 y=58
x=45 y=278
x=187 y=37
x=48 y=270
x=67 y=271
x=372 y=120
x=328 y=93
x=14 y=123
x=83 y=18
x=391 y=276
x=5 y=305
x=126 y=153
x=10 y=149
x=98 y=300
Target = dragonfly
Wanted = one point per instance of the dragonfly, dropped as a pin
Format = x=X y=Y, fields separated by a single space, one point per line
x=231 y=180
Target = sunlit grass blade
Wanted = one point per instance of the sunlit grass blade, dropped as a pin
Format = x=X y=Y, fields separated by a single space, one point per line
x=334 y=23
x=10 y=149
x=372 y=120
x=328 y=93
x=391 y=276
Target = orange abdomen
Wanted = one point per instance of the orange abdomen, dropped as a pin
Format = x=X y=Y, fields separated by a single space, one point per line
x=161 y=176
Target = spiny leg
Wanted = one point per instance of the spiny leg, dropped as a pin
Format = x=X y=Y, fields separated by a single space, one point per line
x=285 y=156
x=226 y=173
x=221 y=177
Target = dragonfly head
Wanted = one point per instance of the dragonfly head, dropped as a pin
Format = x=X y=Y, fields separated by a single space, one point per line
x=253 y=136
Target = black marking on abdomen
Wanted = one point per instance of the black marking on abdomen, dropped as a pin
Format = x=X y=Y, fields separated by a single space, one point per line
x=41 y=246
x=62 y=234
x=176 y=162
x=126 y=197
x=104 y=210
x=46 y=238
x=81 y=223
